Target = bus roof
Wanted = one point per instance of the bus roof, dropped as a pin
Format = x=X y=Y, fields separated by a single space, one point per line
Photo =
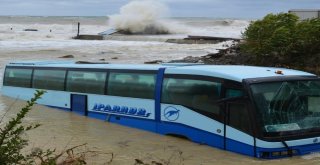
x=232 y=72
x=237 y=72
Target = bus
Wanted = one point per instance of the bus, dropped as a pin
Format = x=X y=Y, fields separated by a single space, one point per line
x=261 y=112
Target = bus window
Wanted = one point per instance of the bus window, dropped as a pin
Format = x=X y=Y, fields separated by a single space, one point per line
x=287 y=106
x=18 y=77
x=86 y=82
x=239 y=117
x=199 y=95
x=233 y=93
x=49 y=79
x=138 y=85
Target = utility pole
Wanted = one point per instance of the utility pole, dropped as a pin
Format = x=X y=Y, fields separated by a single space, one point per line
x=78 y=30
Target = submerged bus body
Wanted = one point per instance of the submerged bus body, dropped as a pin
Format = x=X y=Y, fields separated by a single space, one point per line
x=256 y=111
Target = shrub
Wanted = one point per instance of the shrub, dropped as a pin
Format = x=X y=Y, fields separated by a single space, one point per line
x=282 y=39
x=11 y=141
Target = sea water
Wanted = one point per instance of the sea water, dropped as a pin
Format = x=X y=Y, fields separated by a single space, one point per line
x=53 y=39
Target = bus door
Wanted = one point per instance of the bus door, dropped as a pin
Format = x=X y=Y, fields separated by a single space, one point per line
x=79 y=104
x=238 y=128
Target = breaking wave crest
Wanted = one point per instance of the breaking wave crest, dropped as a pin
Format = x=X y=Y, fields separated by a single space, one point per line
x=142 y=17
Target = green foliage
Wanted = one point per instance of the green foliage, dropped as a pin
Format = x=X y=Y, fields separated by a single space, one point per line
x=282 y=39
x=269 y=35
x=11 y=141
x=308 y=36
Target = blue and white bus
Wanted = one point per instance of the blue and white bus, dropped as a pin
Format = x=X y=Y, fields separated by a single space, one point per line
x=257 y=111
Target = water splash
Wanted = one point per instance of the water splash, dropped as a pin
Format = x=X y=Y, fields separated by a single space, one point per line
x=141 y=17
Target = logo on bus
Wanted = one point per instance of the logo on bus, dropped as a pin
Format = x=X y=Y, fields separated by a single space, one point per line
x=130 y=111
x=171 y=113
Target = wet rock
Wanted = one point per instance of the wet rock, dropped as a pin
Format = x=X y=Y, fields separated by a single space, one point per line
x=191 y=59
x=228 y=56
x=225 y=45
x=153 y=62
x=202 y=40
x=191 y=41
x=102 y=59
x=188 y=59
x=213 y=55
x=67 y=56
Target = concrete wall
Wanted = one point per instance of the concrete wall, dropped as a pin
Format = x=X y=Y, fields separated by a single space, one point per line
x=306 y=14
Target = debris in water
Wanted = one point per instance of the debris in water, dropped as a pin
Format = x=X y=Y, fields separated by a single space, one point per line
x=67 y=56
x=31 y=30
x=138 y=161
x=153 y=62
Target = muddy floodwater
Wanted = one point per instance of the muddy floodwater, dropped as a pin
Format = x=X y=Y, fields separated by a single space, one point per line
x=61 y=130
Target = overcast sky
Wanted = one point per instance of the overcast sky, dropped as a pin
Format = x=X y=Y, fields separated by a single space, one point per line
x=178 y=8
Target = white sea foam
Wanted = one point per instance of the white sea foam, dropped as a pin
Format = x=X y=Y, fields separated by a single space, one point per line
x=60 y=44
x=140 y=16
x=17 y=31
x=128 y=49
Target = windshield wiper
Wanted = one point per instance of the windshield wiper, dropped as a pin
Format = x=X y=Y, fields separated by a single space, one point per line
x=289 y=150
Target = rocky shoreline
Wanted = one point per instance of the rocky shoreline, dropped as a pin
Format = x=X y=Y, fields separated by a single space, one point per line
x=233 y=56
x=228 y=56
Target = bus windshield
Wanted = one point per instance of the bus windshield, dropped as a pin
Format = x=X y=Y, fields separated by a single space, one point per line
x=288 y=106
